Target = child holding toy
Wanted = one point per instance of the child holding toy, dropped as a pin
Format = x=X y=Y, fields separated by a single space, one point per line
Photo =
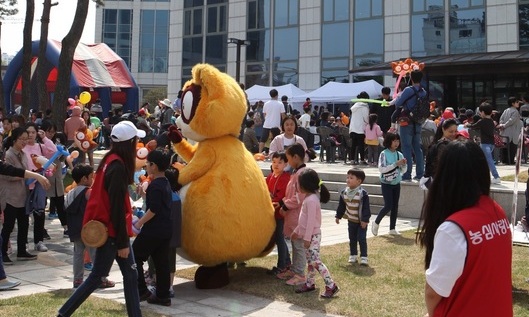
x=290 y=207
x=308 y=231
x=391 y=165
x=354 y=205
x=156 y=230
x=277 y=182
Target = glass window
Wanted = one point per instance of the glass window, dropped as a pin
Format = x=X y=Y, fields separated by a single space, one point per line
x=154 y=41
x=459 y=3
x=286 y=44
x=117 y=29
x=341 y=76
x=428 y=33
x=193 y=3
x=335 y=40
x=368 y=46
x=523 y=13
x=362 y=9
x=259 y=48
x=336 y=10
x=216 y=49
x=155 y=0
x=192 y=51
x=286 y=12
x=216 y=1
x=258 y=14
x=197 y=21
x=426 y=5
x=467 y=31
x=216 y=19
x=335 y=63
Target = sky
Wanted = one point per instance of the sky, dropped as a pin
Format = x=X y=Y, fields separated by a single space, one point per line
x=61 y=18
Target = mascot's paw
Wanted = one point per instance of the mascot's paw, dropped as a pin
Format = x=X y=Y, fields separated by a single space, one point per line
x=211 y=277
x=174 y=135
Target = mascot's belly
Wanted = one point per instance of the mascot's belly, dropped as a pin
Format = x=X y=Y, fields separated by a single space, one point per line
x=227 y=214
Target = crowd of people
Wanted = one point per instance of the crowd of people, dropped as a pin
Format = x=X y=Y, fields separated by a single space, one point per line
x=393 y=145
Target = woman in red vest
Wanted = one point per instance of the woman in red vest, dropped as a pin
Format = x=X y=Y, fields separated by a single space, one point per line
x=109 y=203
x=467 y=239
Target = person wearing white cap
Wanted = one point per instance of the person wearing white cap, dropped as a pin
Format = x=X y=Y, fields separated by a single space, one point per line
x=166 y=112
x=109 y=203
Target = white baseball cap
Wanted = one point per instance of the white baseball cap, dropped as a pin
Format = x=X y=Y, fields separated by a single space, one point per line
x=124 y=131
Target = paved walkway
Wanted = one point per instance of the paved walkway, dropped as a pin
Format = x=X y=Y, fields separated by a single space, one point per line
x=52 y=270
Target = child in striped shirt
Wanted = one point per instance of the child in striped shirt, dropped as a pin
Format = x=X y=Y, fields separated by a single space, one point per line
x=354 y=206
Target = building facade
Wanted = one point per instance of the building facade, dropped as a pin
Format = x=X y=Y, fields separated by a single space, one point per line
x=310 y=42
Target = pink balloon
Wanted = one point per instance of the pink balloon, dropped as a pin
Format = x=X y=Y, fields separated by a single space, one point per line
x=71 y=101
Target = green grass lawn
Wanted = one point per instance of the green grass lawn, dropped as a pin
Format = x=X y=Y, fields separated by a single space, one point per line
x=47 y=304
x=392 y=285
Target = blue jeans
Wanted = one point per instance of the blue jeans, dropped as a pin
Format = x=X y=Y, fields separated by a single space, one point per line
x=391 y=194
x=357 y=234
x=283 y=256
x=487 y=150
x=105 y=256
x=410 y=140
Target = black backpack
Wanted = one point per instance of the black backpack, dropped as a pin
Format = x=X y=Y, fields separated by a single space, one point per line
x=421 y=110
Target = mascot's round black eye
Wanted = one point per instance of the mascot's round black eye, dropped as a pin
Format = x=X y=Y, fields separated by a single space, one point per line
x=190 y=100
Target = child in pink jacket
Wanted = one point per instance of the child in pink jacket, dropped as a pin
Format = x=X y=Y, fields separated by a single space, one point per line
x=290 y=208
x=309 y=231
x=373 y=133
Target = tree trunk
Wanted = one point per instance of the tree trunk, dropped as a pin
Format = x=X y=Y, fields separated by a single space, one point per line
x=69 y=43
x=26 y=57
x=42 y=76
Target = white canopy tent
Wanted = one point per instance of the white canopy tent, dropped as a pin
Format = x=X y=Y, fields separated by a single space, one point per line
x=257 y=92
x=333 y=92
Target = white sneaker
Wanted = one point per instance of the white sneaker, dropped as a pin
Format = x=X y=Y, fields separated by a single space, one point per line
x=352 y=259
x=7 y=284
x=41 y=247
x=496 y=181
x=363 y=260
x=374 y=228
x=394 y=232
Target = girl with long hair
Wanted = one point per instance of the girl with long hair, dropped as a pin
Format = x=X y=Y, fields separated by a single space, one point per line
x=467 y=239
x=109 y=203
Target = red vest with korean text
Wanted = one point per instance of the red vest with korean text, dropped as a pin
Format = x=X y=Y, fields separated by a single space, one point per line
x=98 y=205
x=485 y=286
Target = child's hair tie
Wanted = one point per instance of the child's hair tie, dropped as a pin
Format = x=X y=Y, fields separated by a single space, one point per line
x=320 y=182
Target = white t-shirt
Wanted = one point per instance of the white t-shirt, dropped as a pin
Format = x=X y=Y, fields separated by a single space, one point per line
x=304 y=121
x=448 y=258
x=272 y=110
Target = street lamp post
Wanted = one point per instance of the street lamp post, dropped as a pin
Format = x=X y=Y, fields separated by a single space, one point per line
x=239 y=43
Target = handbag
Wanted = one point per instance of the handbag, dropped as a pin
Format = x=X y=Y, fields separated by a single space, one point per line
x=94 y=234
x=371 y=141
x=498 y=141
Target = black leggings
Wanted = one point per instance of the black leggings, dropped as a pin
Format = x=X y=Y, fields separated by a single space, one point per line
x=357 y=143
x=57 y=205
x=12 y=215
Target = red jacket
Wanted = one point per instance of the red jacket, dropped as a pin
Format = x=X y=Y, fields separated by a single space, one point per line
x=277 y=186
x=485 y=286
x=98 y=206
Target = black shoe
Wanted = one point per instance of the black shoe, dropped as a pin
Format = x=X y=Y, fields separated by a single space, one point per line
x=144 y=296
x=6 y=260
x=65 y=234
x=26 y=256
x=46 y=235
x=274 y=271
x=153 y=299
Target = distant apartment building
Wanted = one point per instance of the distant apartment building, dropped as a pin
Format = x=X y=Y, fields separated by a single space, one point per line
x=473 y=49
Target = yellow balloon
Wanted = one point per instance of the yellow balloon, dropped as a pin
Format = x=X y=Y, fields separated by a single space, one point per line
x=85 y=97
